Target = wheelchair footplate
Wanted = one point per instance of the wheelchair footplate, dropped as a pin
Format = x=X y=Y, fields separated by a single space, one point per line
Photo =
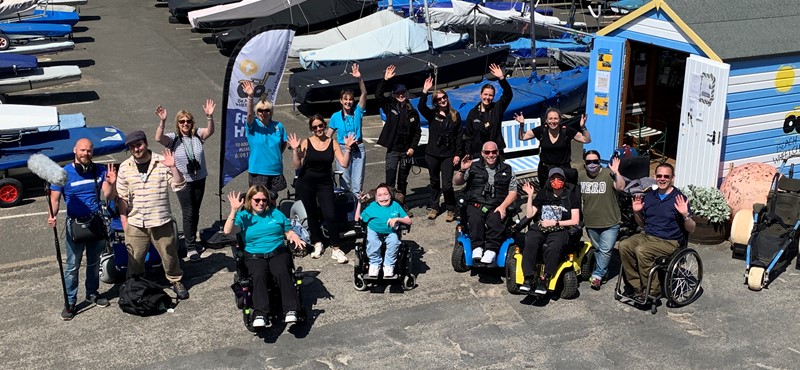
x=380 y=277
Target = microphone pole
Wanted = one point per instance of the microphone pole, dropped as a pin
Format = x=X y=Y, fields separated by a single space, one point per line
x=57 y=244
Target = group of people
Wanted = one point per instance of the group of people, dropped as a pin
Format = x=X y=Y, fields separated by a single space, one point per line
x=459 y=153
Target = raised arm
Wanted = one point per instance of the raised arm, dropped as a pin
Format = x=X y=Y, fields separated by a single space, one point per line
x=236 y=202
x=422 y=104
x=619 y=181
x=298 y=150
x=208 y=108
x=523 y=134
x=362 y=99
x=161 y=113
x=508 y=94
x=530 y=209
x=247 y=87
x=110 y=184
x=583 y=135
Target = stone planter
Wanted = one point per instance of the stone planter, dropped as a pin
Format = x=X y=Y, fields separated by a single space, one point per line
x=709 y=233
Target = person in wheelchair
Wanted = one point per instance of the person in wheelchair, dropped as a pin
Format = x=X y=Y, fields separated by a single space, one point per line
x=264 y=230
x=491 y=188
x=558 y=207
x=665 y=215
x=383 y=217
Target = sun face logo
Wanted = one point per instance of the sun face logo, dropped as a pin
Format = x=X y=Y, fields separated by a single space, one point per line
x=784 y=79
x=248 y=67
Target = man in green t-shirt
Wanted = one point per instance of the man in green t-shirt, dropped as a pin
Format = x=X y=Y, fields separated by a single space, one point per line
x=601 y=211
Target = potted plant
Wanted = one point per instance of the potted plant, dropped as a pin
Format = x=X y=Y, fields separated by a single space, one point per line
x=711 y=213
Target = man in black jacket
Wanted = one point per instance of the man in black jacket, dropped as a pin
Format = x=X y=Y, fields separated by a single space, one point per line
x=401 y=132
x=484 y=120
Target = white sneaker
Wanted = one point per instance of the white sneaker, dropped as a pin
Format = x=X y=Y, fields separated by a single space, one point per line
x=318 y=249
x=374 y=270
x=339 y=256
x=477 y=253
x=259 y=322
x=388 y=271
x=291 y=317
x=488 y=257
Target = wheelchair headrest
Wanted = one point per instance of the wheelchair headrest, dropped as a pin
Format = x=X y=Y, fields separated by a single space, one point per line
x=635 y=167
x=789 y=184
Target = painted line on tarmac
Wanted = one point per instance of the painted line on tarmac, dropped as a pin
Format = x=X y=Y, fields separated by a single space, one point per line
x=29 y=214
x=374 y=163
x=5 y=267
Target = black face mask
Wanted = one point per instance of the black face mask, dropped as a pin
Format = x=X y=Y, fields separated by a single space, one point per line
x=81 y=169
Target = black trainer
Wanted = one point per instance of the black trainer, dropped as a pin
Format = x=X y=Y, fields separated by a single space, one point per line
x=526 y=286
x=541 y=286
x=97 y=300
x=68 y=312
x=180 y=290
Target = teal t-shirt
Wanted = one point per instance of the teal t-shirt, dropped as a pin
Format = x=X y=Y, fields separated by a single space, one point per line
x=377 y=216
x=262 y=234
x=266 y=157
x=347 y=125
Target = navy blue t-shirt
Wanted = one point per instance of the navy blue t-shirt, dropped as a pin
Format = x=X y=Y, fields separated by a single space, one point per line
x=79 y=191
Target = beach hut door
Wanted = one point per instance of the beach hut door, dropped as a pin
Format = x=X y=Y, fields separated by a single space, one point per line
x=705 y=90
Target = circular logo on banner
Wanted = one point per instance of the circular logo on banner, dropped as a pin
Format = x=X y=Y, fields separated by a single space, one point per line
x=248 y=67
x=784 y=79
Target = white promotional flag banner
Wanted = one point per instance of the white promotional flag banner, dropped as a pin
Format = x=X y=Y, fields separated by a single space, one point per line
x=261 y=58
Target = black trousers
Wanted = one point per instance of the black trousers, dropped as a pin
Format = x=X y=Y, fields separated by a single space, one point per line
x=553 y=243
x=395 y=164
x=190 y=198
x=318 y=195
x=277 y=268
x=443 y=166
x=485 y=229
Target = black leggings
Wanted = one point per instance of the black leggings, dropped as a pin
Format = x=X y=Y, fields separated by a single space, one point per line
x=316 y=196
x=190 y=198
x=443 y=165
x=534 y=240
x=277 y=268
x=397 y=170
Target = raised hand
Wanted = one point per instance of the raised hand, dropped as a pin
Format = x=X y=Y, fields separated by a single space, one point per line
x=293 y=141
x=111 y=175
x=527 y=187
x=496 y=71
x=235 y=200
x=169 y=159
x=389 y=73
x=520 y=118
x=614 y=165
x=355 y=73
x=682 y=205
x=247 y=87
x=209 y=107
x=466 y=162
x=427 y=85
x=583 y=121
x=349 y=140
x=456 y=159
x=638 y=203
x=161 y=113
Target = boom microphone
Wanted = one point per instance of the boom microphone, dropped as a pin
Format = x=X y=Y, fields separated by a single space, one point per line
x=47 y=170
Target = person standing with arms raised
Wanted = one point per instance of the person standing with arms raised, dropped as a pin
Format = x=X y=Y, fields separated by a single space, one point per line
x=485 y=119
x=347 y=122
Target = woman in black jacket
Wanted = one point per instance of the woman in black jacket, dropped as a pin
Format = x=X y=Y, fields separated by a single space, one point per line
x=484 y=120
x=444 y=129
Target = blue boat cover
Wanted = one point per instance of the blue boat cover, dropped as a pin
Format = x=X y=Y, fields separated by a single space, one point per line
x=10 y=64
x=496 y=5
x=522 y=46
x=54 y=17
x=57 y=145
x=37 y=29
x=532 y=95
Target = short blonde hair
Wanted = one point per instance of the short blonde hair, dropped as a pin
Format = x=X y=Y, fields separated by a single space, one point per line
x=184 y=114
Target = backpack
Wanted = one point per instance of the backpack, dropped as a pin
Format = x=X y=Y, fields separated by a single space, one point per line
x=142 y=297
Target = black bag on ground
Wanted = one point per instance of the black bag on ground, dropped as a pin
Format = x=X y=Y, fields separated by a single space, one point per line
x=142 y=297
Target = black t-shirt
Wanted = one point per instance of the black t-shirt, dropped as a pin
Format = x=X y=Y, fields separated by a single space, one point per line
x=556 y=208
x=558 y=153
x=142 y=167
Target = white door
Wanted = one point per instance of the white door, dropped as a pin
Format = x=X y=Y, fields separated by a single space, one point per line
x=705 y=91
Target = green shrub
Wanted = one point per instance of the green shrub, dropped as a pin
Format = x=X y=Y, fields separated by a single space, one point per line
x=708 y=202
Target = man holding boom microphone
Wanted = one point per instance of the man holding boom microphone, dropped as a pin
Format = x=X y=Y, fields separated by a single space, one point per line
x=85 y=181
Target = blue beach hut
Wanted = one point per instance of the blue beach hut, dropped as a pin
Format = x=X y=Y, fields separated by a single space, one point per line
x=709 y=84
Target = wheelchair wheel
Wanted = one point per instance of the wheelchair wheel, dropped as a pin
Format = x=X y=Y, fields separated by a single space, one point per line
x=755 y=278
x=587 y=265
x=299 y=211
x=247 y=317
x=569 y=285
x=741 y=226
x=409 y=282
x=108 y=269
x=458 y=259
x=511 y=272
x=359 y=284
x=683 y=277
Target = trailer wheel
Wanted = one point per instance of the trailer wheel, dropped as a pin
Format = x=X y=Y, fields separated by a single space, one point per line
x=10 y=192
x=5 y=42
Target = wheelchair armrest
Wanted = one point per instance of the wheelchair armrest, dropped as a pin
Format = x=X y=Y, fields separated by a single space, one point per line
x=758 y=207
x=521 y=224
x=574 y=231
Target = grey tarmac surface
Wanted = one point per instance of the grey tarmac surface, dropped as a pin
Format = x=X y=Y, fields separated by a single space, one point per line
x=132 y=60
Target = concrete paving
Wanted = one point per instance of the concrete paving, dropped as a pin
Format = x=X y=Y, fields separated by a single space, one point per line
x=133 y=60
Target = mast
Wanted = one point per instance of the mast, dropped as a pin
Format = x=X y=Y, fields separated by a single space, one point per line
x=428 y=25
x=532 y=10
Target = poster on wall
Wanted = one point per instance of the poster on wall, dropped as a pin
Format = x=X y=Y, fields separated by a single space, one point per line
x=601 y=105
x=604 y=58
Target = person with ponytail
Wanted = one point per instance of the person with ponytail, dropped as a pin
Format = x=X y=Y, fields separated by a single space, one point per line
x=599 y=187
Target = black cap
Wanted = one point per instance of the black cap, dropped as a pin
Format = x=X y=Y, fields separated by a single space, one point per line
x=556 y=171
x=135 y=136
x=400 y=88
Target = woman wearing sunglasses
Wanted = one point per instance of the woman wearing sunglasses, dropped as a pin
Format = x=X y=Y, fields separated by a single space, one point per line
x=444 y=130
x=554 y=142
x=601 y=212
x=313 y=158
x=264 y=230
x=186 y=143
x=267 y=141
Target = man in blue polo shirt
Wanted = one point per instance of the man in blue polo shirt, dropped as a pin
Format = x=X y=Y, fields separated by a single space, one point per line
x=85 y=182
x=666 y=217
x=267 y=140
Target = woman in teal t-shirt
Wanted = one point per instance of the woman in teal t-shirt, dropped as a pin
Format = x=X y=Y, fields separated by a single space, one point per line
x=263 y=228
x=382 y=216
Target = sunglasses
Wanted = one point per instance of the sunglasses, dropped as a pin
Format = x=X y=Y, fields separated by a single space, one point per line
x=487 y=152
x=317 y=127
x=592 y=161
x=264 y=110
x=259 y=200
x=663 y=176
x=442 y=98
x=185 y=121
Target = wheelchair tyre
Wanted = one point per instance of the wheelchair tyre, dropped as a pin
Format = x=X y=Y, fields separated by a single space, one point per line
x=569 y=285
x=588 y=264
x=299 y=211
x=409 y=282
x=511 y=272
x=755 y=278
x=683 y=277
x=248 y=320
x=108 y=269
x=459 y=259
x=359 y=284
x=741 y=226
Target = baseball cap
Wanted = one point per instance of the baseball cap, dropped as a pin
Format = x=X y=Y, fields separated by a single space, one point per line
x=135 y=136
x=556 y=171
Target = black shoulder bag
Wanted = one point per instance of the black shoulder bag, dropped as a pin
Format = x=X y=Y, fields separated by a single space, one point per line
x=90 y=228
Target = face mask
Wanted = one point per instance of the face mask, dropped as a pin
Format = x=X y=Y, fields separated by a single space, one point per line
x=383 y=198
x=593 y=167
x=557 y=184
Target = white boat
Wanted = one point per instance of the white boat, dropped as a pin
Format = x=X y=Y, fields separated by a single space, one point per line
x=43 y=46
x=15 y=9
x=343 y=32
x=40 y=77
x=65 y=2
x=237 y=14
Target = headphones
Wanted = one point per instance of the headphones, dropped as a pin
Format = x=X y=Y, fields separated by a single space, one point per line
x=82 y=170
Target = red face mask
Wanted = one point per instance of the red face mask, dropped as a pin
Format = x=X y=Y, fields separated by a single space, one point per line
x=557 y=183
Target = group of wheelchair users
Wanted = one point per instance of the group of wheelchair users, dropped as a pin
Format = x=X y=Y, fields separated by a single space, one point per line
x=459 y=153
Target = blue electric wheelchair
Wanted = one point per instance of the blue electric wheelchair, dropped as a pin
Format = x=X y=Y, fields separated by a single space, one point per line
x=243 y=293
x=461 y=258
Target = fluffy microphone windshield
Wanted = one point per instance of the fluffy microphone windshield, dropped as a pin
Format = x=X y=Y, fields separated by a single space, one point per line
x=47 y=170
